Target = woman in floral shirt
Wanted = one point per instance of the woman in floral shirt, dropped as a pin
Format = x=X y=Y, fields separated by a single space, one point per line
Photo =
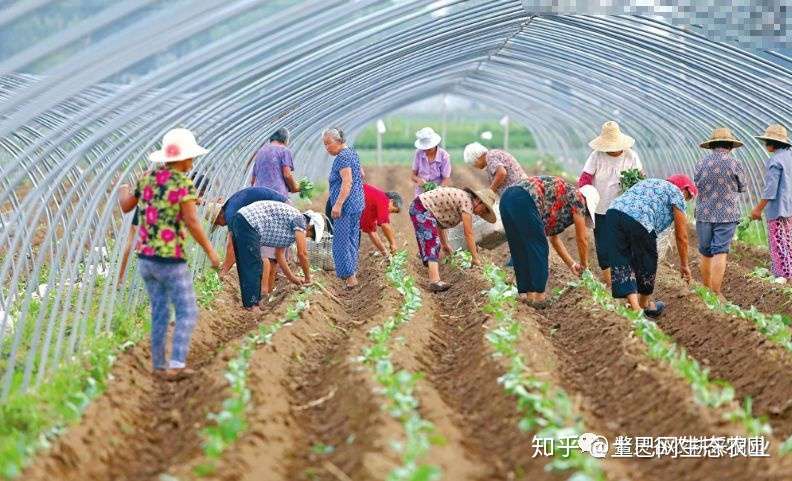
x=502 y=168
x=538 y=208
x=166 y=200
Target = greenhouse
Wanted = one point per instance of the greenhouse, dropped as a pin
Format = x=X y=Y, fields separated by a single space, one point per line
x=388 y=378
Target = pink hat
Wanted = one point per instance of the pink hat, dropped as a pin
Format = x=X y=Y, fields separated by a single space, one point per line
x=683 y=182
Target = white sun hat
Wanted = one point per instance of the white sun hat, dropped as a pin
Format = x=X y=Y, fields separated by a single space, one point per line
x=177 y=144
x=427 y=138
x=473 y=151
x=317 y=221
x=592 y=199
x=611 y=139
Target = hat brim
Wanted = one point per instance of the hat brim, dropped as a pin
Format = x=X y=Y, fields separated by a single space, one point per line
x=775 y=139
x=735 y=143
x=430 y=143
x=624 y=142
x=490 y=215
x=158 y=156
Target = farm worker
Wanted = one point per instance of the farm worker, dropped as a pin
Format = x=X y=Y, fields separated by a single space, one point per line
x=611 y=154
x=379 y=206
x=274 y=168
x=269 y=223
x=166 y=199
x=502 y=168
x=199 y=180
x=238 y=200
x=719 y=179
x=347 y=200
x=538 y=208
x=635 y=219
x=777 y=199
x=431 y=162
x=443 y=208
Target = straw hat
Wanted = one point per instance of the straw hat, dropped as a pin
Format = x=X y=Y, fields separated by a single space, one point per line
x=611 y=139
x=591 y=194
x=427 y=138
x=721 y=134
x=317 y=221
x=776 y=132
x=177 y=144
x=473 y=151
x=488 y=198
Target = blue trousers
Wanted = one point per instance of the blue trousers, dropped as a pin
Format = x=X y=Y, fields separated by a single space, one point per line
x=247 y=247
x=527 y=240
x=346 y=244
x=169 y=284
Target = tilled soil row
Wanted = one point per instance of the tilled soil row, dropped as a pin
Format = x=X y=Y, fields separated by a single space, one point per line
x=626 y=393
x=331 y=395
x=142 y=426
x=460 y=366
x=733 y=349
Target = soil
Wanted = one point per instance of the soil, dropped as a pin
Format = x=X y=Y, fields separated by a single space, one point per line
x=316 y=411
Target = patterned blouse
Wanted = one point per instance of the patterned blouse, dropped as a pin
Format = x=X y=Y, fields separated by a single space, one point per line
x=651 y=202
x=276 y=222
x=162 y=233
x=355 y=202
x=447 y=205
x=719 y=179
x=514 y=171
x=556 y=200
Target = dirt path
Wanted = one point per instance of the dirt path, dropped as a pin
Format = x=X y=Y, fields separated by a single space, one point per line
x=141 y=426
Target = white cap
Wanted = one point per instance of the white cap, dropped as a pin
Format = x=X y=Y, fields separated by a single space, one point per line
x=177 y=144
x=317 y=221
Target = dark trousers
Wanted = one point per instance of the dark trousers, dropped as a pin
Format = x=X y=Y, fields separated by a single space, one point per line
x=247 y=246
x=527 y=240
x=632 y=252
x=600 y=239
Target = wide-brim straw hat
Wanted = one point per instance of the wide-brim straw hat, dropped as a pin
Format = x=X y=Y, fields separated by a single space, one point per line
x=776 y=132
x=317 y=221
x=488 y=198
x=177 y=144
x=592 y=196
x=611 y=139
x=427 y=138
x=721 y=134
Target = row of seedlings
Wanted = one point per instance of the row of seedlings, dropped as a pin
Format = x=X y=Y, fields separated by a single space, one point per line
x=230 y=422
x=542 y=405
x=660 y=346
x=398 y=386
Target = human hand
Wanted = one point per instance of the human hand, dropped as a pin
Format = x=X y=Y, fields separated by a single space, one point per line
x=214 y=259
x=685 y=273
x=419 y=181
x=756 y=213
x=336 y=212
x=446 y=249
x=577 y=269
x=476 y=261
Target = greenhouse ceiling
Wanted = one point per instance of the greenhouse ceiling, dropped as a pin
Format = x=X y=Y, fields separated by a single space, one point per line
x=87 y=91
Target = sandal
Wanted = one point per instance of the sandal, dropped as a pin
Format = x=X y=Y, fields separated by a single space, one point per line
x=657 y=311
x=439 y=286
x=178 y=374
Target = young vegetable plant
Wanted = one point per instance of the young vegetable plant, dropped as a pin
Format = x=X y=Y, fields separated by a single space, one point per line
x=427 y=186
x=461 y=259
x=307 y=188
x=660 y=346
x=629 y=178
x=398 y=386
x=774 y=326
x=230 y=422
x=542 y=405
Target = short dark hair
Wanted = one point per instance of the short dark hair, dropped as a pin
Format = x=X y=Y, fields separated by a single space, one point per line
x=281 y=135
x=395 y=198
x=721 y=144
x=775 y=144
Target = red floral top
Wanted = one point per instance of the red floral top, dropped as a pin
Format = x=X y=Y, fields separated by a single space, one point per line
x=162 y=231
x=556 y=200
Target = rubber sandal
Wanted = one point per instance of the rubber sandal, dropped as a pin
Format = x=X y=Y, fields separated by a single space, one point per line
x=657 y=311
x=179 y=374
x=439 y=286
